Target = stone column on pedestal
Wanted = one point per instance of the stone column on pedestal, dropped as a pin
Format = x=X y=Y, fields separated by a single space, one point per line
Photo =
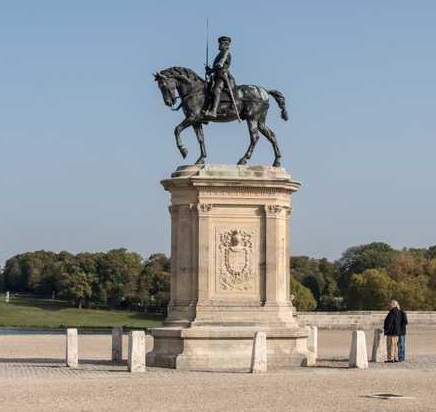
x=230 y=270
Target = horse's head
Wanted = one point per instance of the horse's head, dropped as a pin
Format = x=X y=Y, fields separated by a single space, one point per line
x=168 y=88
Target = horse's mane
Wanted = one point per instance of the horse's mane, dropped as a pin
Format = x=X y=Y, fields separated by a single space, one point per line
x=182 y=71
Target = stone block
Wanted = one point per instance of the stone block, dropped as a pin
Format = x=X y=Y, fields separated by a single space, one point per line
x=226 y=348
x=358 y=353
x=312 y=340
x=72 y=348
x=378 y=346
x=136 y=357
x=117 y=344
x=259 y=362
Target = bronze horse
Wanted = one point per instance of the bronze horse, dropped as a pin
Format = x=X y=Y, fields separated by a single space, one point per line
x=252 y=103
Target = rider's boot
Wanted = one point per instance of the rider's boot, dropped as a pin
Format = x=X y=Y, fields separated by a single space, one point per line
x=213 y=112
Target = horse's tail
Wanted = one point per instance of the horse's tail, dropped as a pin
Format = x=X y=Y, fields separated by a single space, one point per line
x=281 y=101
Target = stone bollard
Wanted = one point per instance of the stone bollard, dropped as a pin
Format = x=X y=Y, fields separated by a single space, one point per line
x=7 y=297
x=72 y=348
x=312 y=340
x=378 y=346
x=136 y=362
x=358 y=353
x=117 y=344
x=259 y=362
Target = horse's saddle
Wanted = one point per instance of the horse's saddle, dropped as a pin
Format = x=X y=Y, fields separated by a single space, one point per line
x=225 y=105
x=225 y=95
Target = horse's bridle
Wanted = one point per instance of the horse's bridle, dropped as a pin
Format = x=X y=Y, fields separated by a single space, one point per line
x=194 y=91
x=176 y=97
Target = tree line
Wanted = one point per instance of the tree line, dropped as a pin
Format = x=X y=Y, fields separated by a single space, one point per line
x=117 y=278
x=365 y=277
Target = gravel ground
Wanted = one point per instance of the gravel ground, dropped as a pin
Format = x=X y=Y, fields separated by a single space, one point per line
x=33 y=377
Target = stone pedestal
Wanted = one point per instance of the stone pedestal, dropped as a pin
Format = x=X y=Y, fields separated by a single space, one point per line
x=379 y=353
x=358 y=353
x=137 y=350
x=312 y=343
x=230 y=270
x=72 y=354
x=259 y=360
x=117 y=344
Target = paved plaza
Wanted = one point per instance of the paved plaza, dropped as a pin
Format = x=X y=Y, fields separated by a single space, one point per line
x=33 y=377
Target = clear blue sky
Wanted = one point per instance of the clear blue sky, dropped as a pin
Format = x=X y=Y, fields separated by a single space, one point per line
x=85 y=137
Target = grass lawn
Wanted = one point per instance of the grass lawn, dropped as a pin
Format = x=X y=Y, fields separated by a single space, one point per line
x=26 y=312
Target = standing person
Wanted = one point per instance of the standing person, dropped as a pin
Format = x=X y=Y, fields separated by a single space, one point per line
x=392 y=331
x=402 y=337
x=220 y=73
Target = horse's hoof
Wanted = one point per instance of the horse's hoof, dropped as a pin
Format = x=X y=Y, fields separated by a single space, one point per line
x=242 y=162
x=277 y=163
x=200 y=161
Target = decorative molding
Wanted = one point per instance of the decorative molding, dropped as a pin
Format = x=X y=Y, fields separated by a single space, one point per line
x=235 y=260
x=201 y=207
x=276 y=210
x=273 y=209
x=245 y=191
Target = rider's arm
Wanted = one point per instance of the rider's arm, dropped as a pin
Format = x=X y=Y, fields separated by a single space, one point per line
x=221 y=61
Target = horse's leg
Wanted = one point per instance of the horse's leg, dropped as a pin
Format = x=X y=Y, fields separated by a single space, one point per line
x=179 y=128
x=198 y=128
x=254 y=137
x=269 y=134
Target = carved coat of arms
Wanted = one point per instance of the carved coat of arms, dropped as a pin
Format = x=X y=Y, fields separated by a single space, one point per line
x=236 y=260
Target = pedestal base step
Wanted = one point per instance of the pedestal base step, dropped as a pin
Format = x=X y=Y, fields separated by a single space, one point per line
x=226 y=348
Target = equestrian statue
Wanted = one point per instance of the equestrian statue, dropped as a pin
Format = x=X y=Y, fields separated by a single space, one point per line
x=219 y=99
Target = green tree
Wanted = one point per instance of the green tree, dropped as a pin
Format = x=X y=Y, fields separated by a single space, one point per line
x=118 y=273
x=302 y=297
x=12 y=275
x=405 y=264
x=371 y=290
x=75 y=285
x=89 y=264
x=357 y=259
x=431 y=252
x=414 y=294
x=318 y=275
x=414 y=272
x=25 y=272
x=155 y=283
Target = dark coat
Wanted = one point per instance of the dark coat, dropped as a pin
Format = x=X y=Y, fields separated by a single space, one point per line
x=403 y=322
x=392 y=324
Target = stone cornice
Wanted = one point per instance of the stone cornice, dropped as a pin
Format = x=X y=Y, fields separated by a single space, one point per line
x=228 y=178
